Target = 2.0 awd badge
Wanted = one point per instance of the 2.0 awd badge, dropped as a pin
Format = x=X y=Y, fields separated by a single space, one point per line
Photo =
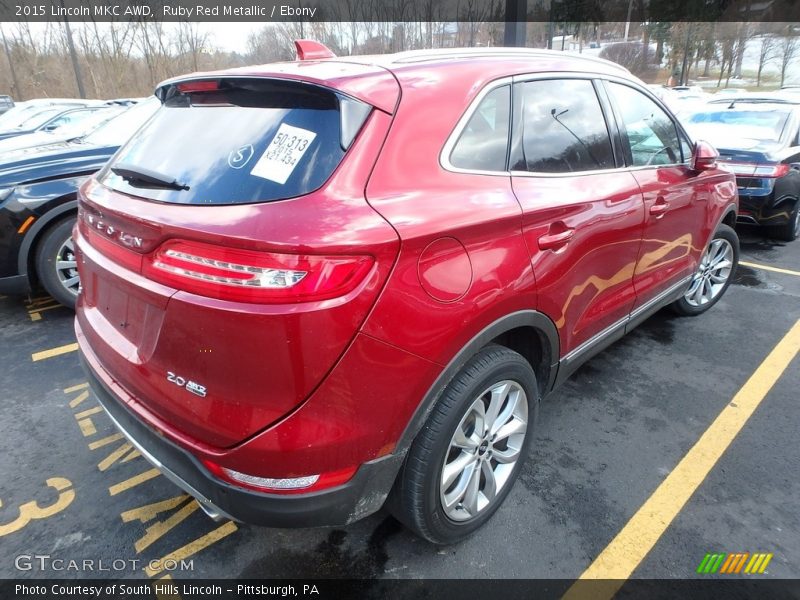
x=189 y=386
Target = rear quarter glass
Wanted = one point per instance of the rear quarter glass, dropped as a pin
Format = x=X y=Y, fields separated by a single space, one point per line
x=249 y=141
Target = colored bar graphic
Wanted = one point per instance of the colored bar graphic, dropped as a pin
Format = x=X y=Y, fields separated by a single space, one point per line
x=703 y=564
x=741 y=562
x=733 y=563
x=717 y=563
x=728 y=562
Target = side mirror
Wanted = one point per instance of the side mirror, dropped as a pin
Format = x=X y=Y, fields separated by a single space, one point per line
x=704 y=156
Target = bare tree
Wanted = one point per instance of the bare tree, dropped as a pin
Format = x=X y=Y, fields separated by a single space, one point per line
x=767 y=53
x=789 y=48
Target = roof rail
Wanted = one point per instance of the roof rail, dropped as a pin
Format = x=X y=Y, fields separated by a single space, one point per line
x=413 y=56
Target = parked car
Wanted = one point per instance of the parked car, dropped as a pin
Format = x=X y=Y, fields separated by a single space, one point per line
x=758 y=138
x=22 y=111
x=38 y=205
x=312 y=286
x=6 y=104
x=50 y=119
x=63 y=133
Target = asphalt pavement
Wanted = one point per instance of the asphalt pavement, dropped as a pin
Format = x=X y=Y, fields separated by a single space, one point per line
x=605 y=442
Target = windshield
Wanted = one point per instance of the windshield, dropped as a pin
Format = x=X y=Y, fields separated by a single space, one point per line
x=40 y=118
x=14 y=116
x=118 y=130
x=87 y=125
x=728 y=125
x=250 y=141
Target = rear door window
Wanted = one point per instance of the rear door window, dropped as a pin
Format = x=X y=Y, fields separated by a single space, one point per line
x=563 y=129
x=247 y=141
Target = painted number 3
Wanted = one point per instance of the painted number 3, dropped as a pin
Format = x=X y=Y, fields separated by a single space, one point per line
x=31 y=510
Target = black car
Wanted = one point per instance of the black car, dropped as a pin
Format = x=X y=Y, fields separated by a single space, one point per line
x=758 y=138
x=38 y=205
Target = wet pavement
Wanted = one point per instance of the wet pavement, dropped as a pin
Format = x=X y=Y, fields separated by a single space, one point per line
x=605 y=441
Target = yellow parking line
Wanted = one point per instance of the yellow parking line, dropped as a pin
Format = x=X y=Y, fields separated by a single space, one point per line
x=768 y=268
x=75 y=388
x=618 y=560
x=133 y=482
x=105 y=441
x=44 y=308
x=88 y=412
x=192 y=548
x=87 y=427
x=54 y=352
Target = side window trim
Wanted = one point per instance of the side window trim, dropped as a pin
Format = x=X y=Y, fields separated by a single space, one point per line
x=612 y=122
x=625 y=144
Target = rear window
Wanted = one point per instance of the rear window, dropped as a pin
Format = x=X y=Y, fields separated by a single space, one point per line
x=766 y=125
x=247 y=141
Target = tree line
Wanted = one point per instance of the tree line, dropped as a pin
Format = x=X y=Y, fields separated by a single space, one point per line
x=127 y=59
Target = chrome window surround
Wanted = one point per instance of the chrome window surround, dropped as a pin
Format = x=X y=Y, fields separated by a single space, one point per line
x=452 y=140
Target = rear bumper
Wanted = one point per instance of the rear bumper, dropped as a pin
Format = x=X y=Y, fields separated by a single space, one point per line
x=763 y=209
x=16 y=284
x=362 y=495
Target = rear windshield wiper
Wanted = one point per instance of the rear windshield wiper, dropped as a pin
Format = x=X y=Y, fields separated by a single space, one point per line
x=134 y=175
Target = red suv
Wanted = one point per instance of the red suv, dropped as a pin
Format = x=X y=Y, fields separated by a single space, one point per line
x=314 y=286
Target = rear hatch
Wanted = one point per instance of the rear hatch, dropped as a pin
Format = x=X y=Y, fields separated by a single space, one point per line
x=227 y=253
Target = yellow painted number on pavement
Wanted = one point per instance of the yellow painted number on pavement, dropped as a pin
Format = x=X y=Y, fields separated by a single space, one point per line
x=31 y=510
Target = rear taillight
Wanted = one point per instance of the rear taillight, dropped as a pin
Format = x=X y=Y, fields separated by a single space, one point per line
x=291 y=485
x=771 y=170
x=755 y=170
x=250 y=276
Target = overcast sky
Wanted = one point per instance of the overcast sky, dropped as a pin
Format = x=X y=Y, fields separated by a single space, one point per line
x=231 y=36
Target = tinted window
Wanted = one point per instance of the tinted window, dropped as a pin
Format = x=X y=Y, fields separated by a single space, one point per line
x=118 y=130
x=483 y=144
x=650 y=132
x=721 y=126
x=40 y=117
x=249 y=141
x=563 y=128
x=74 y=116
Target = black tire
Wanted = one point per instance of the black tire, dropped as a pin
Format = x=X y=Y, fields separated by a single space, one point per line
x=684 y=306
x=47 y=256
x=415 y=499
x=789 y=231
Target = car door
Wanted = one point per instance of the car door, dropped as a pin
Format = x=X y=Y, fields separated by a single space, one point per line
x=582 y=211
x=675 y=198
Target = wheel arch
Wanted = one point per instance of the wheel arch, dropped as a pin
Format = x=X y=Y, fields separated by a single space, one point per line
x=27 y=250
x=728 y=217
x=528 y=332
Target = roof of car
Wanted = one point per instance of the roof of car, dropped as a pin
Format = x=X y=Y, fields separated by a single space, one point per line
x=367 y=76
x=455 y=54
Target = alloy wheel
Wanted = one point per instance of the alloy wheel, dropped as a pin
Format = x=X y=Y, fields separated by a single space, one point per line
x=67 y=267
x=713 y=273
x=483 y=450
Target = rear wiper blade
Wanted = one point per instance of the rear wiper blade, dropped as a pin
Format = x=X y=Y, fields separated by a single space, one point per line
x=140 y=175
